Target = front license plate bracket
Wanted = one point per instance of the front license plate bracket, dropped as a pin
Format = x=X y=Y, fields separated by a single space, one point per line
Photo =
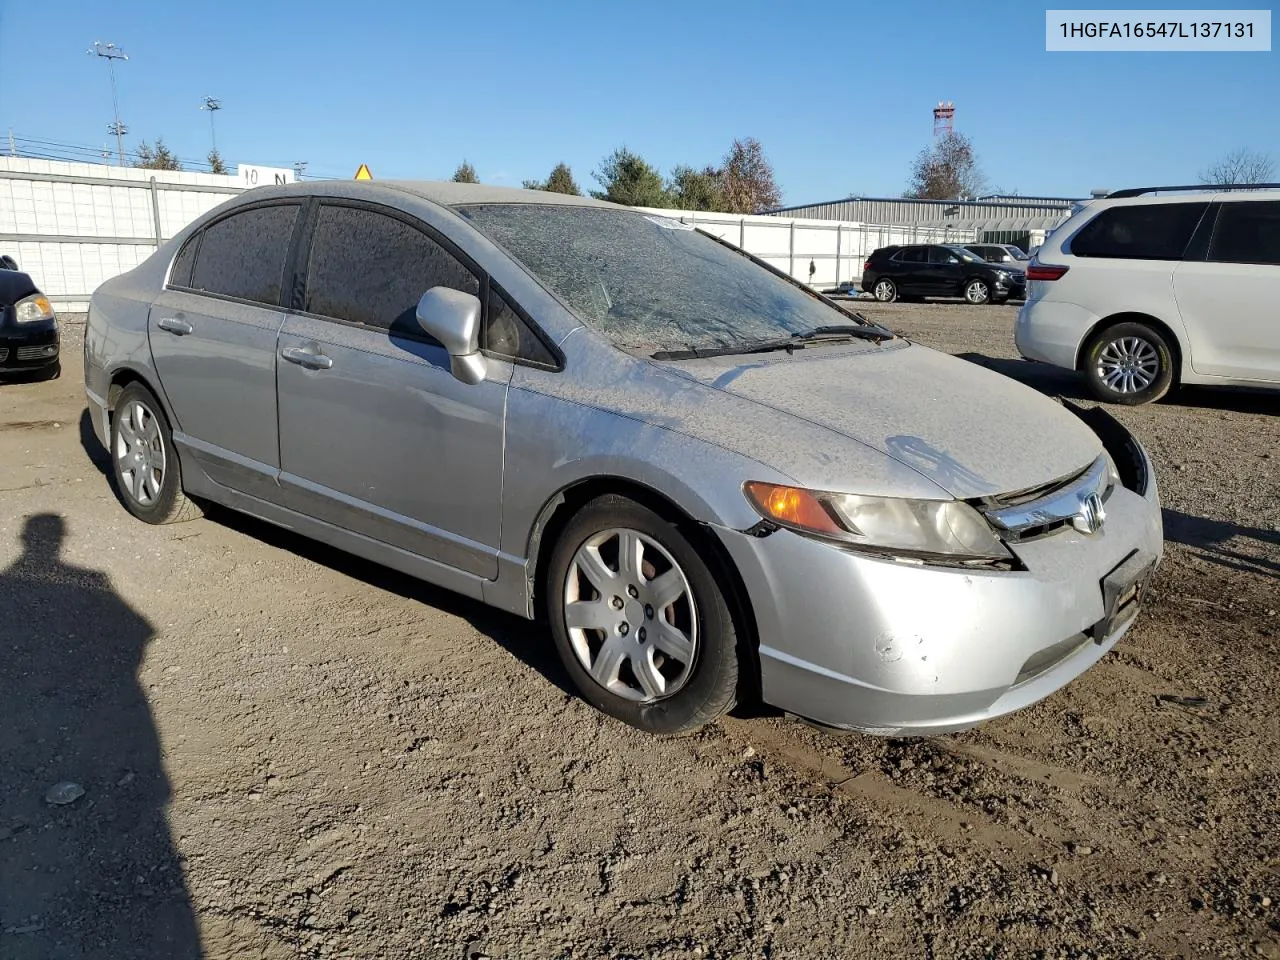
x=1123 y=590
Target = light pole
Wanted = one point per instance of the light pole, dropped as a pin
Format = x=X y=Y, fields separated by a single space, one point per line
x=213 y=106
x=111 y=53
x=299 y=168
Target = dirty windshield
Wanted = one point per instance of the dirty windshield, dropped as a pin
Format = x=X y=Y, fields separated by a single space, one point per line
x=648 y=282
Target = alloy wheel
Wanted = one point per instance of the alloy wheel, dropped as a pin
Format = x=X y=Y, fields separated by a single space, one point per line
x=140 y=454
x=1128 y=364
x=630 y=615
x=977 y=292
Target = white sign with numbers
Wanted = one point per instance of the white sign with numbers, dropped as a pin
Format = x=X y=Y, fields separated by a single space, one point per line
x=254 y=176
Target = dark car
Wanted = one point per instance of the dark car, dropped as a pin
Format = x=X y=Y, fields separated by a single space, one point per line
x=28 y=328
x=936 y=270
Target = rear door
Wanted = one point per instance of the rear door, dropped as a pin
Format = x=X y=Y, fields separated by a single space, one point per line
x=1230 y=300
x=376 y=435
x=910 y=269
x=213 y=340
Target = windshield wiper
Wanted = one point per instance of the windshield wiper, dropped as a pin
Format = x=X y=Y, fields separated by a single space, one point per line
x=797 y=341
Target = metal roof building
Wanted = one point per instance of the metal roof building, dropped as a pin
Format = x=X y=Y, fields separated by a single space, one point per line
x=996 y=219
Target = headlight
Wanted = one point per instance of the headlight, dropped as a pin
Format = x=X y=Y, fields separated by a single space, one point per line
x=924 y=528
x=33 y=308
x=1002 y=276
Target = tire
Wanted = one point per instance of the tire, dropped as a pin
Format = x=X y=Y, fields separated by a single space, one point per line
x=885 y=290
x=665 y=670
x=977 y=292
x=144 y=461
x=1129 y=363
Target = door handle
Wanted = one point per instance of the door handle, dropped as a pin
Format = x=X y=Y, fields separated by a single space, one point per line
x=305 y=358
x=174 y=325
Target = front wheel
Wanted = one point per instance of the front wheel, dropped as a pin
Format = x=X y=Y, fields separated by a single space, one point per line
x=639 y=621
x=885 y=290
x=1129 y=363
x=148 y=475
x=977 y=291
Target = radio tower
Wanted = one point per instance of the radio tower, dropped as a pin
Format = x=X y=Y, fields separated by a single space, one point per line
x=944 y=115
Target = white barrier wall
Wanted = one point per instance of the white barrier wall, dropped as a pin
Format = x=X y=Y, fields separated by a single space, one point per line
x=74 y=225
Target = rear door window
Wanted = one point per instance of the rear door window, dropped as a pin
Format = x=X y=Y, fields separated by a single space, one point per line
x=243 y=255
x=913 y=255
x=370 y=268
x=1140 y=232
x=942 y=255
x=1247 y=232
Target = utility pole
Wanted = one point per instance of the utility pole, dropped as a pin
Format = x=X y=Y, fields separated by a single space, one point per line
x=13 y=149
x=299 y=168
x=111 y=53
x=213 y=106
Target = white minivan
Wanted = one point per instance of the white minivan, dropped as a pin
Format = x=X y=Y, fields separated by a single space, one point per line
x=1148 y=288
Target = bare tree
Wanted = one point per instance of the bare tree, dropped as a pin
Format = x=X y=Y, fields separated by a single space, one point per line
x=948 y=170
x=1240 y=166
x=746 y=179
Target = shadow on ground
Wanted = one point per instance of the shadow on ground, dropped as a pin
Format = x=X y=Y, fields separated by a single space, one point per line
x=1220 y=540
x=1058 y=382
x=87 y=866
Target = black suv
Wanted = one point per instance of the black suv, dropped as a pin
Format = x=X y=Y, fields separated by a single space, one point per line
x=28 y=328
x=935 y=270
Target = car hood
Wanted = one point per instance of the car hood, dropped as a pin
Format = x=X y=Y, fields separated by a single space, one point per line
x=971 y=431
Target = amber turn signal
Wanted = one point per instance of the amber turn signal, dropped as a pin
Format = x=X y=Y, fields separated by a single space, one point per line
x=792 y=507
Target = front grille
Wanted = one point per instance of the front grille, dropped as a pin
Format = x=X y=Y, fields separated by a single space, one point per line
x=37 y=353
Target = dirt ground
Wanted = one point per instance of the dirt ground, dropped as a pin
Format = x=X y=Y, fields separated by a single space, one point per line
x=286 y=752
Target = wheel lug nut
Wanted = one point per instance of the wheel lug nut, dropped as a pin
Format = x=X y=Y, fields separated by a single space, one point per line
x=641 y=634
x=633 y=592
x=623 y=629
x=617 y=603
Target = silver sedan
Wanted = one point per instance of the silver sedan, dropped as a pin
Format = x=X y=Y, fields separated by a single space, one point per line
x=716 y=486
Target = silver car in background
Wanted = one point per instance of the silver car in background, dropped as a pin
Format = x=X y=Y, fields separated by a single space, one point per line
x=714 y=485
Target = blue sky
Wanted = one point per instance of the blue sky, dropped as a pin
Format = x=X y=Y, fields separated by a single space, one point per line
x=839 y=94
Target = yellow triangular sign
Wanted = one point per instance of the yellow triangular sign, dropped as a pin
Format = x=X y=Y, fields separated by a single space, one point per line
x=363 y=173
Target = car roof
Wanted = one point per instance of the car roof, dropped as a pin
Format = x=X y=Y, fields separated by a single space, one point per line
x=443 y=192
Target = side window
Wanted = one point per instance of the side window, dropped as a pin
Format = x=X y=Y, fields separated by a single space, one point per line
x=942 y=255
x=180 y=274
x=912 y=255
x=244 y=255
x=370 y=268
x=506 y=334
x=1247 y=232
x=1140 y=232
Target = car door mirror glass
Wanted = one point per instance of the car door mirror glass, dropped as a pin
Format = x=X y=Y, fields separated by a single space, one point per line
x=453 y=318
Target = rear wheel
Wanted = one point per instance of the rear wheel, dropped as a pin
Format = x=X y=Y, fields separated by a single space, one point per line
x=1129 y=363
x=144 y=460
x=977 y=291
x=885 y=290
x=638 y=619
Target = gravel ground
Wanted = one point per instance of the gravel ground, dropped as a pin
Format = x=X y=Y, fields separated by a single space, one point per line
x=285 y=752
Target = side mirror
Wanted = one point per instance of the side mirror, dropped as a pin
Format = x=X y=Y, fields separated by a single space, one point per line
x=453 y=318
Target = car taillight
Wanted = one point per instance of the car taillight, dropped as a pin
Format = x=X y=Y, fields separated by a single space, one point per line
x=866 y=265
x=1041 y=271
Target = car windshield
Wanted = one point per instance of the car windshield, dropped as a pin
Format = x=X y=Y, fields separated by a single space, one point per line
x=651 y=283
x=1018 y=252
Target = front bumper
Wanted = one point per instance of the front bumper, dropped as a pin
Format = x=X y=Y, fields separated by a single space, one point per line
x=24 y=347
x=879 y=646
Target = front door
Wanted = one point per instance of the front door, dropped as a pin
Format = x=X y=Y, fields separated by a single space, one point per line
x=1230 y=303
x=376 y=435
x=213 y=340
x=946 y=273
